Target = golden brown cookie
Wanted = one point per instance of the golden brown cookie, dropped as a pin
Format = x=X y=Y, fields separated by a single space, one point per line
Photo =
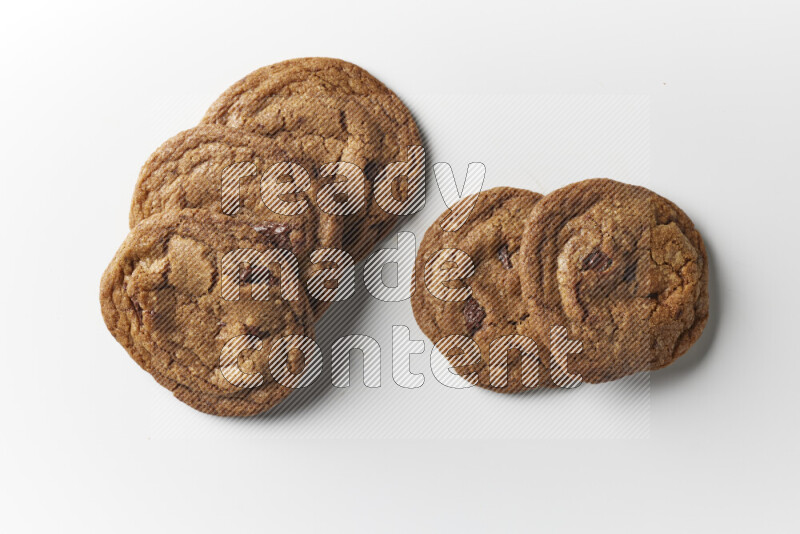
x=164 y=298
x=337 y=112
x=622 y=269
x=493 y=310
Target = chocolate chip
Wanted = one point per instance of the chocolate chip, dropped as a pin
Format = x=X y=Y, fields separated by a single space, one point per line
x=252 y=330
x=249 y=274
x=245 y=272
x=503 y=256
x=371 y=170
x=596 y=261
x=630 y=273
x=275 y=234
x=473 y=315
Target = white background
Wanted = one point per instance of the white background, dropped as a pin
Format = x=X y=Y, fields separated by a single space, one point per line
x=88 y=441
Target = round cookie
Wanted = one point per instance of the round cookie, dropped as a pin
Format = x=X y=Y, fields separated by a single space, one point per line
x=187 y=172
x=161 y=298
x=339 y=113
x=622 y=269
x=490 y=237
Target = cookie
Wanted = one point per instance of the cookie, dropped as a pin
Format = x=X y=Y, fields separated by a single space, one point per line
x=491 y=309
x=191 y=170
x=622 y=269
x=166 y=297
x=339 y=113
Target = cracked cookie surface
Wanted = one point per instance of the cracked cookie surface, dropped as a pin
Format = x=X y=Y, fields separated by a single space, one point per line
x=622 y=269
x=161 y=299
x=490 y=238
x=337 y=112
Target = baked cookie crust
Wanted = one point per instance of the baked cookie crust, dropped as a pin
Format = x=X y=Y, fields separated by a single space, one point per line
x=491 y=238
x=335 y=111
x=622 y=269
x=161 y=299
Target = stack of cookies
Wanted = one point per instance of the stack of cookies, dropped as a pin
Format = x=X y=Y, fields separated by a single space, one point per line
x=591 y=283
x=273 y=167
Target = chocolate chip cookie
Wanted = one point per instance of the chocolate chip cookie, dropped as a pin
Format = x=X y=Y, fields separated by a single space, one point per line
x=485 y=307
x=199 y=324
x=622 y=269
x=339 y=113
